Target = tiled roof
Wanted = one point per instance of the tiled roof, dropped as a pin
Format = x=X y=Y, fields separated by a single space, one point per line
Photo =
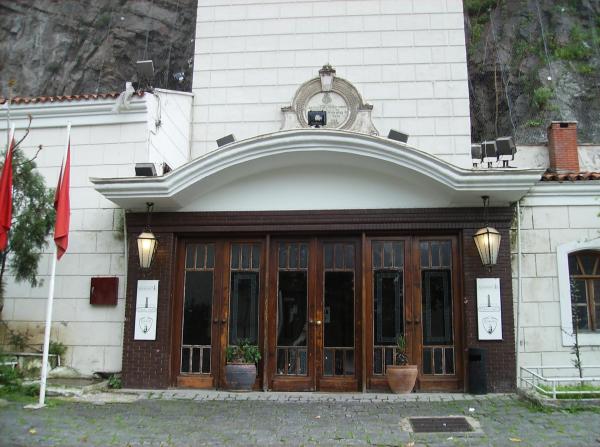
x=63 y=98
x=549 y=176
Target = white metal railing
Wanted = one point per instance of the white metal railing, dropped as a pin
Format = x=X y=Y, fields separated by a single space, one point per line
x=533 y=377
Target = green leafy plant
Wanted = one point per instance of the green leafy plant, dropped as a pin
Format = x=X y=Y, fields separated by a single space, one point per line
x=401 y=357
x=33 y=217
x=581 y=387
x=242 y=352
x=534 y=123
x=57 y=348
x=114 y=382
x=541 y=97
x=19 y=340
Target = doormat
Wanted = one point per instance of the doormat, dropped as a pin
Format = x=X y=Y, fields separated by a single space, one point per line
x=457 y=425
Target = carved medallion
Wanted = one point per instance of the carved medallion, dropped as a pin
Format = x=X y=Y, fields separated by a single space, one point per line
x=336 y=96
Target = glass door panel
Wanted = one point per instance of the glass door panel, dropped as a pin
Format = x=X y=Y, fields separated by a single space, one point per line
x=338 y=310
x=437 y=308
x=243 y=299
x=387 y=258
x=292 y=309
x=196 y=343
x=243 y=322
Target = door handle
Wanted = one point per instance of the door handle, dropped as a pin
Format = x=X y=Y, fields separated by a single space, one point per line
x=417 y=321
x=311 y=321
x=408 y=321
x=318 y=322
x=223 y=321
x=215 y=321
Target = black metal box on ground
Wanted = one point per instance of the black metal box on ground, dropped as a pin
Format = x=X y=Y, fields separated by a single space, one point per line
x=477 y=371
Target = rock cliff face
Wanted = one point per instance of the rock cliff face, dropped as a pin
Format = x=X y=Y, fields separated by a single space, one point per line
x=71 y=46
x=530 y=61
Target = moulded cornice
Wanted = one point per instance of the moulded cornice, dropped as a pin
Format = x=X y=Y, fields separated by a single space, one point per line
x=78 y=112
x=504 y=185
x=584 y=192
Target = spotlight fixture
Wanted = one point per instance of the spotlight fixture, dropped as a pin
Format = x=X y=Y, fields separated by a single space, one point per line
x=487 y=239
x=145 y=170
x=476 y=154
x=317 y=118
x=506 y=150
x=490 y=153
x=227 y=139
x=145 y=72
x=398 y=136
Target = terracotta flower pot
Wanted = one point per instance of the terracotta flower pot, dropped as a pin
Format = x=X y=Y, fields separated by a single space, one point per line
x=240 y=376
x=401 y=379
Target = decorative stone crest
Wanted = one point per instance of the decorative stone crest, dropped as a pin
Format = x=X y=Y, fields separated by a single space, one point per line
x=339 y=98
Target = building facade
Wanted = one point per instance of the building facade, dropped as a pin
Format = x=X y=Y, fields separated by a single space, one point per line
x=320 y=245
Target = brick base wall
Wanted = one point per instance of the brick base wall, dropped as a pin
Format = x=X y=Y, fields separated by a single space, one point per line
x=501 y=360
x=146 y=364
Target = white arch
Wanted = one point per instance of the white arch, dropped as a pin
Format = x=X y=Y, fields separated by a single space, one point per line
x=319 y=147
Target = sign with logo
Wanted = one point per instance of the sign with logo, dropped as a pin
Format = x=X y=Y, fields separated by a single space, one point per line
x=489 y=309
x=146 y=306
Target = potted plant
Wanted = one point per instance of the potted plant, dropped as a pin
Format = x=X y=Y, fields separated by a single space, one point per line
x=240 y=370
x=401 y=376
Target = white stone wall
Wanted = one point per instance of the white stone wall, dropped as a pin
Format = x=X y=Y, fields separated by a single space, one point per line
x=169 y=123
x=536 y=156
x=406 y=57
x=103 y=144
x=543 y=229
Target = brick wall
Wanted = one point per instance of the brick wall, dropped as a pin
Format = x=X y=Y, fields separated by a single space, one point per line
x=501 y=363
x=146 y=364
x=562 y=146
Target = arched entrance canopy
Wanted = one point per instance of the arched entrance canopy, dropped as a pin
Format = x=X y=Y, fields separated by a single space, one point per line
x=317 y=169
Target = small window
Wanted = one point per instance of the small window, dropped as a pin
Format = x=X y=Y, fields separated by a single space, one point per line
x=584 y=278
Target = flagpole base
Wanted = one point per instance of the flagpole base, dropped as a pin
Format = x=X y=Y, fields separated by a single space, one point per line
x=34 y=406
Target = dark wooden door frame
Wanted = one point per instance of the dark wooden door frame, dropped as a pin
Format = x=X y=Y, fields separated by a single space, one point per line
x=315 y=380
x=220 y=312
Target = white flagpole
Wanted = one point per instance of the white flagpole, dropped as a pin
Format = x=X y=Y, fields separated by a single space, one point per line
x=50 y=299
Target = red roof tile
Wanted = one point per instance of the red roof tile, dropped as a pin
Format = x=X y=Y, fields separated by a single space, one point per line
x=63 y=98
x=549 y=176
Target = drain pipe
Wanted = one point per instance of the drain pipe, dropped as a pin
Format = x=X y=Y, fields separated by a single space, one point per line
x=519 y=288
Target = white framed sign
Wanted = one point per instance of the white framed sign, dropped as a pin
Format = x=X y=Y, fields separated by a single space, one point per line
x=146 y=305
x=489 y=309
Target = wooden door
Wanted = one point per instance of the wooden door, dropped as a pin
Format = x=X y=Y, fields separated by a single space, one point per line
x=242 y=300
x=198 y=327
x=412 y=290
x=313 y=339
x=220 y=303
x=438 y=322
x=390 y=309
x=291 y=327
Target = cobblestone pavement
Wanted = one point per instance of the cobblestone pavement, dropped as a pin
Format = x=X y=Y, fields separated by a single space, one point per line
x=213 y=418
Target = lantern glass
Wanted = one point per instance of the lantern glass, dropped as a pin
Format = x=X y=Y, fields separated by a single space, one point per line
x=487 y=241
x=326 y=81
x=147 y=245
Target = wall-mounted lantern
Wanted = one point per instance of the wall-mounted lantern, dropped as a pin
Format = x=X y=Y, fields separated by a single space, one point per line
x=147 y=243
x=487 y=240
x=327 y=73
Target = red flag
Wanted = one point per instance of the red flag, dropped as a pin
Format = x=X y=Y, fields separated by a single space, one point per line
x=62 y=206
x=6 y=186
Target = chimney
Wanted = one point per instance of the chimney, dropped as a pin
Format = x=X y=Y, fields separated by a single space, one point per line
x=562 y=146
